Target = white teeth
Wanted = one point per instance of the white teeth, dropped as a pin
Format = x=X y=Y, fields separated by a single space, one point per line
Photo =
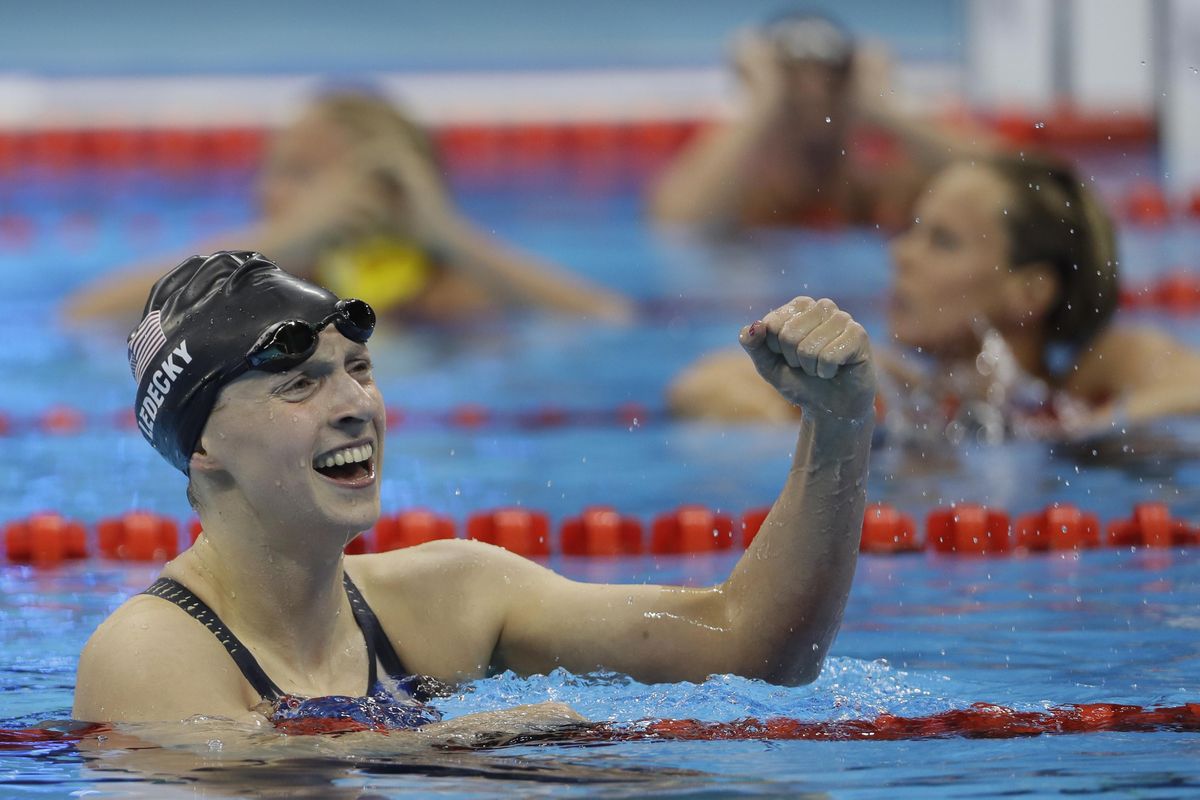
x=348 y=455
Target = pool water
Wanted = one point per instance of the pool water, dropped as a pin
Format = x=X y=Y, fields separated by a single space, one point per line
x=922 y=633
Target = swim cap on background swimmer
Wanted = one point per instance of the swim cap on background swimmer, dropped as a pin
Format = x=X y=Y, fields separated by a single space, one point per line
x=810 y=37
x=201 y=320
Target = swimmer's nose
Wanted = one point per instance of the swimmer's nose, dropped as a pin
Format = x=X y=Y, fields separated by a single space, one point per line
x=355 y=403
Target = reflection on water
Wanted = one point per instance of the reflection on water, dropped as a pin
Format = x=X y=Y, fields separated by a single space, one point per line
x=210 y=759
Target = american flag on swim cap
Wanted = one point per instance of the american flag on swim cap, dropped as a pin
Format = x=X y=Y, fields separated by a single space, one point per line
x=144 y=343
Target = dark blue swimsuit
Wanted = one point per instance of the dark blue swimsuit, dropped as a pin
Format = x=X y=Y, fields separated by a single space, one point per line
x=398 y=703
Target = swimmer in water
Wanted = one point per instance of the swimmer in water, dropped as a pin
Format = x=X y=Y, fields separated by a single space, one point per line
x=816 y=143
x=258 y=386
x=351 y=197
x=1011 y=258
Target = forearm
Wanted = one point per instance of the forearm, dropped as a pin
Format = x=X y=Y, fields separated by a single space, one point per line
x=707 y=183
x=519 y=279
x=1162 y=400
x=786 y=595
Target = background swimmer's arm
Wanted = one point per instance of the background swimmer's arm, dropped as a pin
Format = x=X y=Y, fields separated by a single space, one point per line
x=725 y=386
x=137 y=667
x=776 y=615
x=932 y=146
x=120 y=295
x=1151 y=374
x=338 y=206
x=709 y=180
x=518 y=279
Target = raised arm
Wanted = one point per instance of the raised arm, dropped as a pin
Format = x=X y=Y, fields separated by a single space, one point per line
x=777 y=614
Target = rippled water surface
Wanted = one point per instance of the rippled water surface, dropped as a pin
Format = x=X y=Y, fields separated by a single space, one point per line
x=922 y=634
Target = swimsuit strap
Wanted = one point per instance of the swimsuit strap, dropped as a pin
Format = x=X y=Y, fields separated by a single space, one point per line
x=175 y=592
x=377 y=641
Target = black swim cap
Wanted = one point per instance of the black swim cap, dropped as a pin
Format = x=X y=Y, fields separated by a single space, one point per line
x=200 y=321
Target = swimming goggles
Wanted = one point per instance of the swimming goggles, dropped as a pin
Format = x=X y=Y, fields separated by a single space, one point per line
x=291 y=342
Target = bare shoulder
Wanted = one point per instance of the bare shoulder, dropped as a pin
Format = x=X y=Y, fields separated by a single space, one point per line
x=445 y=604
x=442 y=566
x=1125 y=357
x=150 y=661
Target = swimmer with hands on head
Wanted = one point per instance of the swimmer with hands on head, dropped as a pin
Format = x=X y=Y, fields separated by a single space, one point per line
x=816 y=141
x=277 y=421
x=352 y=195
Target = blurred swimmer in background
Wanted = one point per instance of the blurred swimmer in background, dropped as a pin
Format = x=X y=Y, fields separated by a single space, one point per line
x=1007 y=283
x=351 y=197
x=817 y=142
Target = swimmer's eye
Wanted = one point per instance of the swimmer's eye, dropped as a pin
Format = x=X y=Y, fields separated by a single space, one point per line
x=297 y=386
x=360 y=368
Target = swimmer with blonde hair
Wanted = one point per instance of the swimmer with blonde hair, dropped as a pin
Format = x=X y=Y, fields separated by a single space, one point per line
x=351 y=196
x=258 y=386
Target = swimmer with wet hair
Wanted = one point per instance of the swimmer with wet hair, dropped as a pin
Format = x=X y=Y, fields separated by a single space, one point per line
x=817 y=141
x=1010 y=264
x=258 y=386
x=351 y=196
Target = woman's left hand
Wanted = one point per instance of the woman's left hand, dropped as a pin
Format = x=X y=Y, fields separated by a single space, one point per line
x=817 y=357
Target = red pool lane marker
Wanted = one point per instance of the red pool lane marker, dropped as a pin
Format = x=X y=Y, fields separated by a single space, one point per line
x=519 y=530
x=980 y=721
x=24 y=738
x=964 y=530
x=601 y=531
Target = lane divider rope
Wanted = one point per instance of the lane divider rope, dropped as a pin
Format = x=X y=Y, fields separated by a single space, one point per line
x=978 y=721
x=965 y=529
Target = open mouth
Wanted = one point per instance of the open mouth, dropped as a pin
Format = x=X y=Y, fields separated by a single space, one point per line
x=353 y=465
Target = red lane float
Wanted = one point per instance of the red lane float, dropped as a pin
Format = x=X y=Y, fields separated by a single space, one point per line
x=138 y=536
x=45 y=539
x=1057 y=527
x=963 y=530
x=691 y=529
x=967 y=529
x=600 y=531
x=412 y=527
x=979 y=721
x=886 y=530
x=518 y=530
x=1151 y=526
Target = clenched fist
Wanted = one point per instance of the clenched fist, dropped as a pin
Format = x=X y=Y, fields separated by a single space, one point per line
x=817 y=357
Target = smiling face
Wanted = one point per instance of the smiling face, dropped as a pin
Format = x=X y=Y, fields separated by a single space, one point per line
x=952 y=274
x=301 y=447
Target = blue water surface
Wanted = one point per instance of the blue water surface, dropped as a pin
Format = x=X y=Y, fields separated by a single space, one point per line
x=922 y=633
